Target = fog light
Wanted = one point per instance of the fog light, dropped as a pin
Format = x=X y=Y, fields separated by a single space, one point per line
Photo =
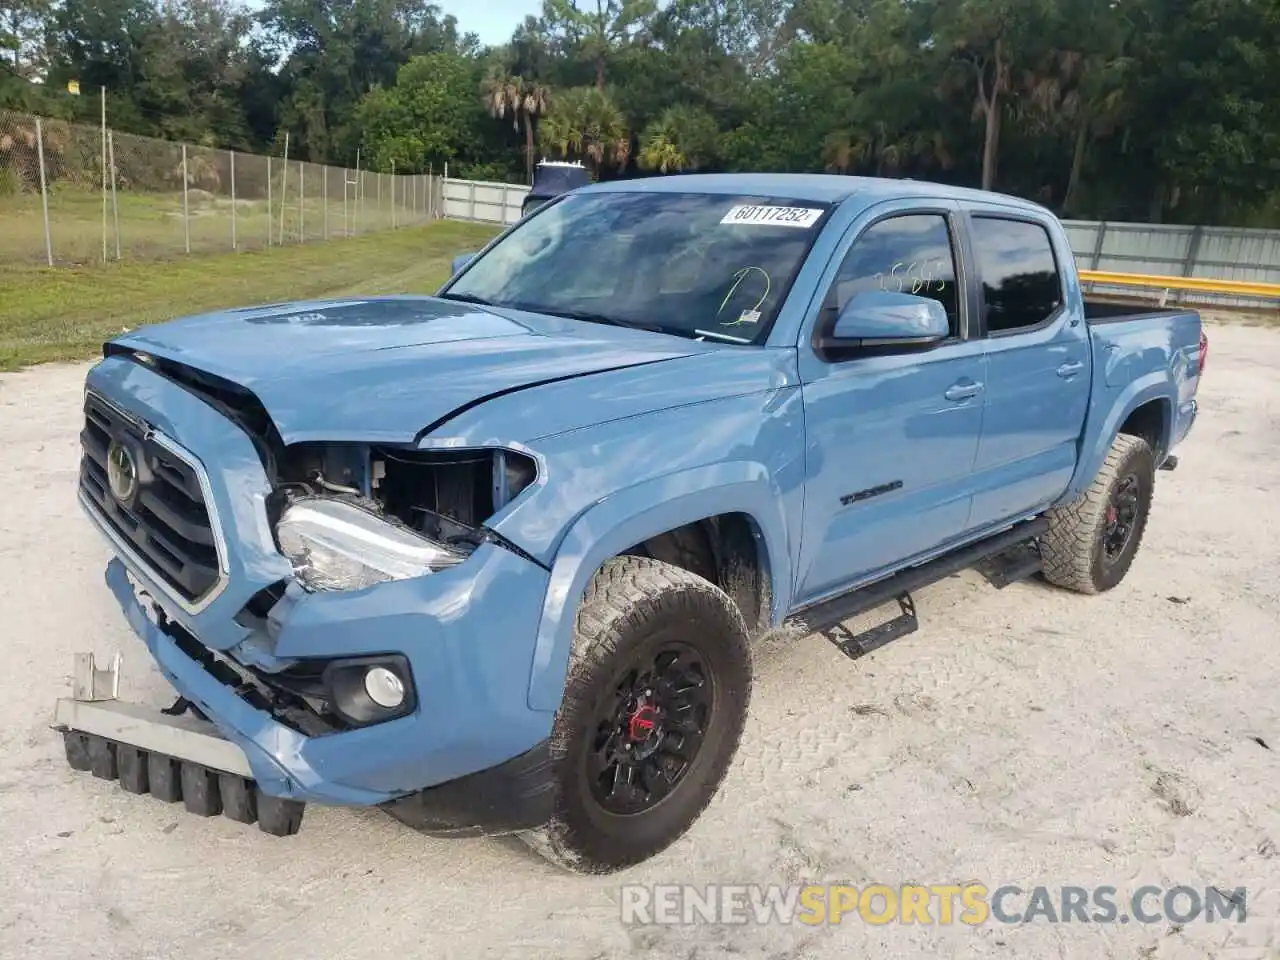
x=384 y=687
x=374 y=689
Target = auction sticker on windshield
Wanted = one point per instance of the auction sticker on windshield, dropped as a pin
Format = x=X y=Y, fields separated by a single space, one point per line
x=770 y=216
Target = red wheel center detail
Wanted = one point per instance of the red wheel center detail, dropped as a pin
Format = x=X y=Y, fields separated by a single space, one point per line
x=642 y=722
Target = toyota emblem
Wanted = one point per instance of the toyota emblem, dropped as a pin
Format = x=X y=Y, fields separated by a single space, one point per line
x=122 y=472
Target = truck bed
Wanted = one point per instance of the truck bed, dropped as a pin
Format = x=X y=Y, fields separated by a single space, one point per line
x=1140 y=356
x=1109 y=311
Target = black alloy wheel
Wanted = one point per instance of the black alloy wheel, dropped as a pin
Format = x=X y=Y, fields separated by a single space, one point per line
x=649 y=732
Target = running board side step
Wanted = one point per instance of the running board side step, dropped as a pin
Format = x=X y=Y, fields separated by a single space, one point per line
x=1011 y=556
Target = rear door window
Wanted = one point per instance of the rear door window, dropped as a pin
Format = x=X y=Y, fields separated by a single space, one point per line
x=1021 y=284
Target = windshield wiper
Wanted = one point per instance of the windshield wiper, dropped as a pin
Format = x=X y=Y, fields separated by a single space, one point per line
x=589 y=317
x=722 y=336
x=467 y=298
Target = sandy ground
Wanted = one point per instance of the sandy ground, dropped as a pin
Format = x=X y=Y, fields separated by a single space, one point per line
x=1027 y=736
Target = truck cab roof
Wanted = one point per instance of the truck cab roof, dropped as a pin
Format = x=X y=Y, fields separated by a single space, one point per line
x=815 y=187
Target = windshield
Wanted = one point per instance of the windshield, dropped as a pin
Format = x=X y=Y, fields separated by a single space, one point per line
x=696 y=265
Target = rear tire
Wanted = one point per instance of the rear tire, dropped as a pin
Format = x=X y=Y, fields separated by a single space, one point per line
x=655 y=701
x=1091 y=543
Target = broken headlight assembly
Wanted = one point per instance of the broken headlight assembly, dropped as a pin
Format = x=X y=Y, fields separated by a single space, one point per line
x=336 y=544
x=350 y=516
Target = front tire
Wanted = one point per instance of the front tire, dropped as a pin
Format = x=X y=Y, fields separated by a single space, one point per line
x=1091 y=543
x=655 y=701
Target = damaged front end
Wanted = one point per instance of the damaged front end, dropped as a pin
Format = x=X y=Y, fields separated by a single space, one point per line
x=338 y=611
x=348 y=516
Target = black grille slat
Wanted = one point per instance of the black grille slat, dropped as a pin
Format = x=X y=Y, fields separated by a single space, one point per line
x=180 y=477
x=94 y=445
x=168 y=524
x=194 y=529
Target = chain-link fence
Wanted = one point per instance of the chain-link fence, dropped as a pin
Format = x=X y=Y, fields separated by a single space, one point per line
x=75 y=194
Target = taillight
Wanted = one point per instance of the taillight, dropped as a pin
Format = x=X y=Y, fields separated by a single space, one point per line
x=1204 y=349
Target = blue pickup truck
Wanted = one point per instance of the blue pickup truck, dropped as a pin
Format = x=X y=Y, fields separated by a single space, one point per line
x=494 y=560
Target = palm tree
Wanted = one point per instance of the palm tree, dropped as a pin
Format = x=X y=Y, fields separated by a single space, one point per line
x=1080 y=95
x=660 y=153
x=524 y=100
x=533 y=106
x=843 y=150
x=683 y=138
x=584 y=123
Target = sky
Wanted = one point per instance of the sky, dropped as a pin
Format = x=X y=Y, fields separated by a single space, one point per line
x=493 y=20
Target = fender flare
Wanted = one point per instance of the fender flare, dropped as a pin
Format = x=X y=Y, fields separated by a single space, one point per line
x=633 y=515
x=1153 y=386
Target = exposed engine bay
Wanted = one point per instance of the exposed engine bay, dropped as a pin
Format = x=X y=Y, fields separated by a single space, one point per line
x=443 y=495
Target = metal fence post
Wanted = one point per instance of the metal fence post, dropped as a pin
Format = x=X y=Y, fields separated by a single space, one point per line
x=1193 y=251
x=1097 y=246
x=115 y=206
x=284 y=185
x=302 y=199
x=44 y=193
x=413 y=203
x=393 y=194
x=231 y=155
x=186 y=215
x=268 y=200
x=324 y=190
x=472 y=185
x=346 y=223
x=103 y=135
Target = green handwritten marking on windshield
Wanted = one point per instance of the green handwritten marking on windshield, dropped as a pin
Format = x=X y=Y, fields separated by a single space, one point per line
x=752 y=315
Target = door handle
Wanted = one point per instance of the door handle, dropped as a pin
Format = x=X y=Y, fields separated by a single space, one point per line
x=1070 y=369
x=963 y=390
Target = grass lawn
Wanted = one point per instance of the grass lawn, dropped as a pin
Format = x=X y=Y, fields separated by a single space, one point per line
x=151 y=224
x=65 y=313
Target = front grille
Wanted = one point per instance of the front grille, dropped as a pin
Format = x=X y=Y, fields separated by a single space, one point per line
x=166 y=521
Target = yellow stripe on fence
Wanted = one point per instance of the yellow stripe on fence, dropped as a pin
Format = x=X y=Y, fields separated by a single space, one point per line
x=1239 y=288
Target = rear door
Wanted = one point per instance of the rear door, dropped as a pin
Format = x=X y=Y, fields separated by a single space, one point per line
x=1037 y=356
x=891 y=434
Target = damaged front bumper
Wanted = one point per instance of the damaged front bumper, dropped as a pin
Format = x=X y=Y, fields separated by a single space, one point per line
x=469 y=757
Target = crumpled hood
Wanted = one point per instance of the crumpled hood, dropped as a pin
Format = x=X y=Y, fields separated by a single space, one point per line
x=388 y=369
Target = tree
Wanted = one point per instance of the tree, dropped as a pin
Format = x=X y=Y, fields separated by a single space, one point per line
x=523 y=100
x=683 y=138
x=430 y=117
x=1147 y=109
x=22 y=48
x=336 y=51
x=598 y=27
x=585 y=124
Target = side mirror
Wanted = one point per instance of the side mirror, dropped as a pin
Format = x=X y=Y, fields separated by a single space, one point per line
x=881 y=318
x=460 y=261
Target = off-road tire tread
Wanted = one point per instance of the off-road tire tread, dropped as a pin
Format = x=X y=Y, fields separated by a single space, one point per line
x=1067 y=547
x=613 y=607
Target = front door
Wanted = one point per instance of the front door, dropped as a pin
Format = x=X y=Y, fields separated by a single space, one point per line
x=891 y=438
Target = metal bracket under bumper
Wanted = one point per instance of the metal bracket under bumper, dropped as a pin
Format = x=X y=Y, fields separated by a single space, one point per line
x=171 y=757
x=147 y=728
